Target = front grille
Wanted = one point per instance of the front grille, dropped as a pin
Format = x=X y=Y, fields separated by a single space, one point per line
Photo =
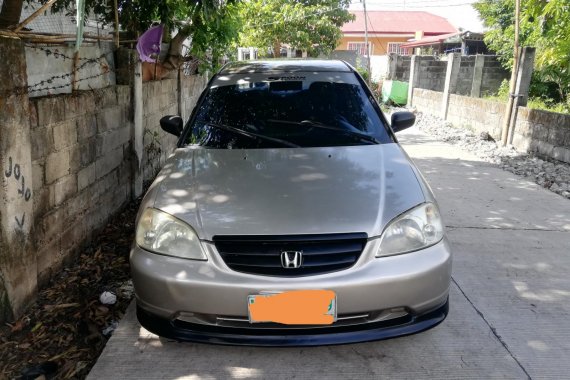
x=262 y=254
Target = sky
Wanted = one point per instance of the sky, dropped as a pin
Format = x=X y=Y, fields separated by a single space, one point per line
x=458 y=12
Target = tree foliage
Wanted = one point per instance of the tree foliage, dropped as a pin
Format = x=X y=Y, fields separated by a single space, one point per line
x=312 y=25
x=213 y=25
x=545 y=24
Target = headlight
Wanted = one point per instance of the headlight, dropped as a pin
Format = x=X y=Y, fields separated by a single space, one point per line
x=160 y=232
x=418 y=228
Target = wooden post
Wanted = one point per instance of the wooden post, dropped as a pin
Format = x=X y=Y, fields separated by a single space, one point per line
x=509 y=108
x=524 y=75
x=116 y=25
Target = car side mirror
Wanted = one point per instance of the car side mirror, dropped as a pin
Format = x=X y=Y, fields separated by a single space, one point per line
x=402 y=120
x=172 y=124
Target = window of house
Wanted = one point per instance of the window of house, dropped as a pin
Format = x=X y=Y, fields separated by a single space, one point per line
x=396 y=47
x=360 y=47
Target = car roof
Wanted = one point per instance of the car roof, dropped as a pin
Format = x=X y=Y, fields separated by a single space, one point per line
x=285 y=66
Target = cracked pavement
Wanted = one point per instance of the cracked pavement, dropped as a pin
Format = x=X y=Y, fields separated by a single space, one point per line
x=509 y=302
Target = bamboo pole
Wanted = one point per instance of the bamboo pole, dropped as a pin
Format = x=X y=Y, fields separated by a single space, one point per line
x=34 y=15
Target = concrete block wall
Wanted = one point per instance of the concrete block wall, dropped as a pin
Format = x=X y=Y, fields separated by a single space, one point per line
x=493 y=75
x=160 y=98
x=465 y=79
x=191 y=88
x=68 y=164
x=477 y=114
x=81 y=156
x=403 y=68
x=545 y=133
x=427 y=101
x=431 y=74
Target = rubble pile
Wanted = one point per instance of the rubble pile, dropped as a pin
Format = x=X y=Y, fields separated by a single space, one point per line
x=550 y=174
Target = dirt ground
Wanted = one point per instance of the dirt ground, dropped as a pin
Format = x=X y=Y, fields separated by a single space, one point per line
x=63 y=333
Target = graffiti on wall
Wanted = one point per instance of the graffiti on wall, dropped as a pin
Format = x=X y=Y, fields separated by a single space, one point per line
x=14 y=171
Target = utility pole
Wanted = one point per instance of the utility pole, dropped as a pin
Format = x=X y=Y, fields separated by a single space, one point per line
x=514 y=75
x=367 y=47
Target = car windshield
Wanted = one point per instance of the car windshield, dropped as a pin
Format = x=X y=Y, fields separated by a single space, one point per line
x=249 y=113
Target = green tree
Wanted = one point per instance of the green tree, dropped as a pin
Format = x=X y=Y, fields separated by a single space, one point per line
x=544 y=25
x=312 y=25
x=213 y=25
x=10 y=13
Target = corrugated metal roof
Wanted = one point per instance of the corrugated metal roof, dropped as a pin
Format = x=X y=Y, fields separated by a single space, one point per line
x=394 y=22
x=430 y=40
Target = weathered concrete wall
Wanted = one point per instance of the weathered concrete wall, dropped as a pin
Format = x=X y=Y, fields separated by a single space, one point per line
x=160 y=99
x=401 y=67
x=17 y=259
x=493 y=75
x=81 y=168
x=431 y=74
x=50 y=68
x=432 y=71
x=545 y=133
x=191 y=88
x=477 y=114
x=465 y=79
x=427 y=101
x=68 y=164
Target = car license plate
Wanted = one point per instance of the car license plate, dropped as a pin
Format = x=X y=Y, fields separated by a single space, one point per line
x=296 y=307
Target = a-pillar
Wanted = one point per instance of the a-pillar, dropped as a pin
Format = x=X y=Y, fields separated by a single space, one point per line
x=18 y=269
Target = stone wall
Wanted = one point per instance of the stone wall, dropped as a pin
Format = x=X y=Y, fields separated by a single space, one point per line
x=542 y=132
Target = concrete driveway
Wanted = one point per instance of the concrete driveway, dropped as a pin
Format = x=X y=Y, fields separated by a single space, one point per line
x=509 y=304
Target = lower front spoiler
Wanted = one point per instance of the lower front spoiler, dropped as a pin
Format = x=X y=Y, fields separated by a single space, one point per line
x=184 y=331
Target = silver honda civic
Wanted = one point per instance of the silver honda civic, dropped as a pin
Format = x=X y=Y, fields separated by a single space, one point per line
x=289 y=215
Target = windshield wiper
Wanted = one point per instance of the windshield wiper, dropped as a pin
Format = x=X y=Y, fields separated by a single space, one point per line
x=316 y=124
x=361 y=136
x=252 y=135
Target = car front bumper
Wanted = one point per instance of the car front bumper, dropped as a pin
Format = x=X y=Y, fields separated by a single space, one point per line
x=377 y=298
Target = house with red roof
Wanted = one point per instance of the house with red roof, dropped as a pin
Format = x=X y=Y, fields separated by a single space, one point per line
x=389 y=30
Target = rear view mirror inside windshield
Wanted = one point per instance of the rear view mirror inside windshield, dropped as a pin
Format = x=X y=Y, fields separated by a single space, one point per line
x=286 y=86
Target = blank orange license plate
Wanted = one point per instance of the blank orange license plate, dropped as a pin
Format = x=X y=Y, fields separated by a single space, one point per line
x=296 y=307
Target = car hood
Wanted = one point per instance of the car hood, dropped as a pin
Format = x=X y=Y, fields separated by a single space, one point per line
x=287 y=191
